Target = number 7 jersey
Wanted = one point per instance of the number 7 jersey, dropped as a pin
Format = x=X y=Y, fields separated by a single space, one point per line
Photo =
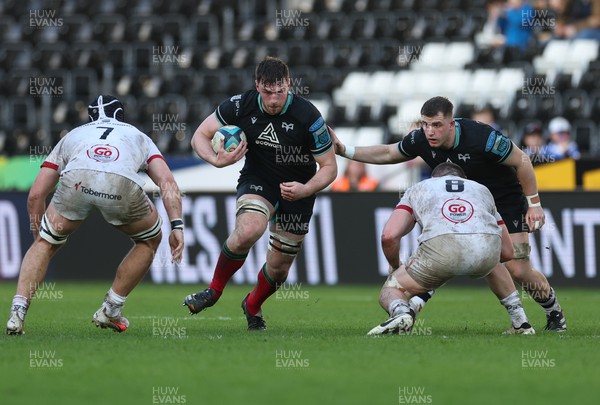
x=106 y=145
x=451 y=205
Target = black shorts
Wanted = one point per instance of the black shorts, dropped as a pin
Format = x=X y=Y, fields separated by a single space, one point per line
x=290 y=216
x=513 y=214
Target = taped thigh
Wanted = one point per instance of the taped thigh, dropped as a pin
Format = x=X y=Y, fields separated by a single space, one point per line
x=49 y=234
x=252 y=205
x=521 y=251
x=284 y=245
x=393 y=282
x=149 y=233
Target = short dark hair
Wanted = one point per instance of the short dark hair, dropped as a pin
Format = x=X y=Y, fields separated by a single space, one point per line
x=271 y=70
x=448 y=169
x=436 y=105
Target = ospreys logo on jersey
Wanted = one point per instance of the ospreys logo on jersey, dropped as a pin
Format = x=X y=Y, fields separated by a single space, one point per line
x=268 y=137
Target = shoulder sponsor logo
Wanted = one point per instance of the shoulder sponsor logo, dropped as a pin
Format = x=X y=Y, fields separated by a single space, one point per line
x=268 y=137
x=103 y=153
x=255 y=187
x=287 y=126
x=457 y=210
x=317 y=124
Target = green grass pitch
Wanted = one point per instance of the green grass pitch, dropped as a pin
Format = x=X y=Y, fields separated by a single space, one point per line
x=315 y=350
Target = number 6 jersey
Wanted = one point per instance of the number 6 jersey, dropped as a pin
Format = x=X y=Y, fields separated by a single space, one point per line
x=106 y=145
x=451 y=205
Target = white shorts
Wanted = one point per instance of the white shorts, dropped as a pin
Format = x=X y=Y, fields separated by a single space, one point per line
x=439 y=259
x=120 y=200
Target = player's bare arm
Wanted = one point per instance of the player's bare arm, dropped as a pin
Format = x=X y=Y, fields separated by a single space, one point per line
x=36 y=201
x=161 y=175
x=399 y=224
x=518 y=160
x=376 y=154
x=201 y=143
x=327 y=172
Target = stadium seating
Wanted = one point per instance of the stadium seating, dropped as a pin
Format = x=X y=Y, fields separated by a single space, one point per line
x=365 y=63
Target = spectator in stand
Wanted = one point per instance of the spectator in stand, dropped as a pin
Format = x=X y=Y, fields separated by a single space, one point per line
x=355 y=178
x=561 y=145
x=505 y=27
x=486 y=115
x=577 y=19
x=517 y=35
x=533 y=143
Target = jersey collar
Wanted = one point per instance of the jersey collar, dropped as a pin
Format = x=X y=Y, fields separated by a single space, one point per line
x=456 y=134
x=285 y=107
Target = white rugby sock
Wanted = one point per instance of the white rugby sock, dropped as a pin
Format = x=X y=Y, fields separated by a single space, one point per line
x=21 y=301
x=515 y=310
x=418 y=301
x=113 y=303
x=398 y=307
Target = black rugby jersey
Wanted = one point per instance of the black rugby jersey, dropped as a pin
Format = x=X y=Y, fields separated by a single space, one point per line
x=479 y=149
x=280 y=147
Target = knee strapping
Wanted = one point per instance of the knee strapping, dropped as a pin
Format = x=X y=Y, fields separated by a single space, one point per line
x=284 y=245
x=49 y=234
x=149 y=233
x=252 y=205
x=393 y=282
x=521 y=251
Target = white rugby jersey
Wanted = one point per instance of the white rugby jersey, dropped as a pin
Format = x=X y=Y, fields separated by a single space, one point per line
x=451 y=204
x=105 y=145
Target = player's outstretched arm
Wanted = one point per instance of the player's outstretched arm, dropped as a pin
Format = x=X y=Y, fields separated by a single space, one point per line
x=201 y=143
x=518 y=160
x=376 y=154
x=36 y=201
x=399 y=224
x=161 y=175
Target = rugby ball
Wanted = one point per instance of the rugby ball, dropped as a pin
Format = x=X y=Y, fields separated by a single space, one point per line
x=231 y=135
